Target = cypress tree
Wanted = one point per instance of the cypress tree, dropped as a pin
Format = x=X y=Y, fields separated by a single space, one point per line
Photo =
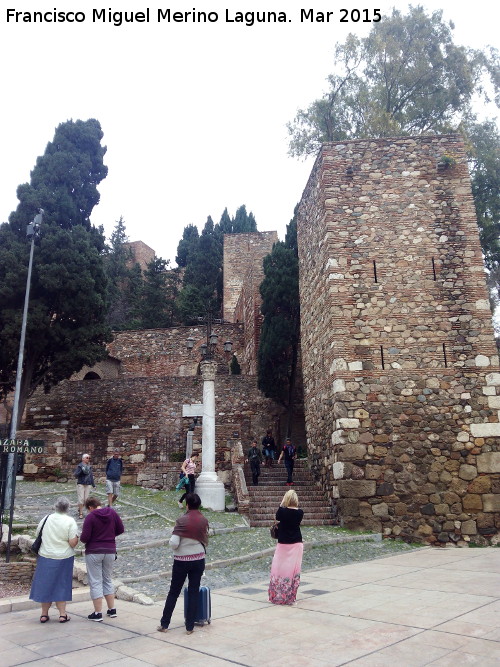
x=66 y=326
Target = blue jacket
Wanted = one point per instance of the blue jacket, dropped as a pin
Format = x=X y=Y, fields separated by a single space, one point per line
x=114 y=469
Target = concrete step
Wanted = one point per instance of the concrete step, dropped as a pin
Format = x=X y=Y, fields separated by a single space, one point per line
x=267 y=495
x=258 y=523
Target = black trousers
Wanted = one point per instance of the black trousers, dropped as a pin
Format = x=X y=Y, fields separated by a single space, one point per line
x=255 y=466
x=289 y=470
x=190 y=489
x=193 y=570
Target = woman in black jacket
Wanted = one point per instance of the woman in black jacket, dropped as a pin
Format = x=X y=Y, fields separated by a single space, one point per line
x=287 y=560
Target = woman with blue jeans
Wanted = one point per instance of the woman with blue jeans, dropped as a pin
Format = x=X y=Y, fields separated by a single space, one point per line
x=189 y=541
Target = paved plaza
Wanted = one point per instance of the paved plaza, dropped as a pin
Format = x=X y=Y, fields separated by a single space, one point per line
x=428 y=607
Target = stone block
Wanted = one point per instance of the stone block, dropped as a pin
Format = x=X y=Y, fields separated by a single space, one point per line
x=424 y=530
x=382 y=509
x=355 y=365
x=469 y=528
x=347 y=423
x=338 y=385
x=491 y=502
x=372 y=472
x=472 y=501
x=493 y=379
x=352 y=452
x=485 y=430
x=481 y=484
x=125 y=593
x=494 y=402
x=489 y=462
x=141 y=598
x=353 y=488
x=467 y=472
x=338 y=470
x=338 y=437
x=348 y=507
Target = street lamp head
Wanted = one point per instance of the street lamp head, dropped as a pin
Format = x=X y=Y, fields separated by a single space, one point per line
x=190 y=343
x=203 y=349
x=228 y=346
x=213 y=339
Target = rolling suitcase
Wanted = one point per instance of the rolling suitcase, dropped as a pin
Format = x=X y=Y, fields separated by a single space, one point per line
x=204 y=611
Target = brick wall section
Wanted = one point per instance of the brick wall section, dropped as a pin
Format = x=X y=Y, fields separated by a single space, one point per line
x=162 y=352
x=240 y=252
x=248 y=311
x=401 y=378
x=17 y=572
x=143 y=417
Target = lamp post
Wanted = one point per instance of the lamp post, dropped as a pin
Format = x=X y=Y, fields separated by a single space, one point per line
x=12 y=458
x=208 y=486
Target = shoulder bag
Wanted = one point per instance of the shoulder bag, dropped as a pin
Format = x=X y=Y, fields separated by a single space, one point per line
x=274 y=530
x=35 y=547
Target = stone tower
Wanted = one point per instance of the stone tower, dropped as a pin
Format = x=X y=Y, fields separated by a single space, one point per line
x=401 y=377
x=243 y=274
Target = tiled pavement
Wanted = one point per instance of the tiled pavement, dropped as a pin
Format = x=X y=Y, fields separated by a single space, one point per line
x=427 y=607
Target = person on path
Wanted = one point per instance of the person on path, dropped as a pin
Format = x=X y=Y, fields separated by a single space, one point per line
x=287 y=559
x=189 y=541
x=189 y=469
x=53 y=578
x=269 y=447
x=114 y=471
x=289 y=452
x=100 y=528
x=254 y=456
x=84 y=480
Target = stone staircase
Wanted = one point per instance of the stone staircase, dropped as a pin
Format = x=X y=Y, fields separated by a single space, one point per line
x=265 y=498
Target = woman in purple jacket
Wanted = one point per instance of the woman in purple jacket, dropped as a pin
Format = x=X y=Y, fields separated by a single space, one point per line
x=100 y=528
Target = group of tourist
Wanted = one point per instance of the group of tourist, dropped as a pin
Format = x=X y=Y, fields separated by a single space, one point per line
x=254 y=457
x=52 y=581
x=53 y=578
x=85 y=479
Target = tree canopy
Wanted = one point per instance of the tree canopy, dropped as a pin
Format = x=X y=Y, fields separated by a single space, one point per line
x=408 y=77
x=201 y=255
x=66 y=319
x=280 y=333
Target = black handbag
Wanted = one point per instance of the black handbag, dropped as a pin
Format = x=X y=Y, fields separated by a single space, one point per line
x=274 y=530
x=35 y=547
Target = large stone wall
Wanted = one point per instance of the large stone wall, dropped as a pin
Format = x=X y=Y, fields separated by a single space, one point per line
x=401 y=378
x=241 y=252
x=163 y=352
x=143 y=417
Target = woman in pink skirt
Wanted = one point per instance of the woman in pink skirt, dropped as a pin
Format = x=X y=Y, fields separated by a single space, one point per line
x=287 y=560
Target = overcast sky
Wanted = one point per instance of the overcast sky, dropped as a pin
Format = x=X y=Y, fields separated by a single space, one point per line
x=194 y=115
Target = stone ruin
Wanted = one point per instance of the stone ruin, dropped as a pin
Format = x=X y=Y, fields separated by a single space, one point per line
x=400 y=365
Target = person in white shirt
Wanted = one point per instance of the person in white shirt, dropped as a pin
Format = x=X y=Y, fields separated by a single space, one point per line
x=53 y=578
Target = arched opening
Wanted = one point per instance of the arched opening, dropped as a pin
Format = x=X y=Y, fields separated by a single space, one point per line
x=91 y=375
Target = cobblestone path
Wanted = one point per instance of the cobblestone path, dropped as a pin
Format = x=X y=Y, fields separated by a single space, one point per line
x=149 y=516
